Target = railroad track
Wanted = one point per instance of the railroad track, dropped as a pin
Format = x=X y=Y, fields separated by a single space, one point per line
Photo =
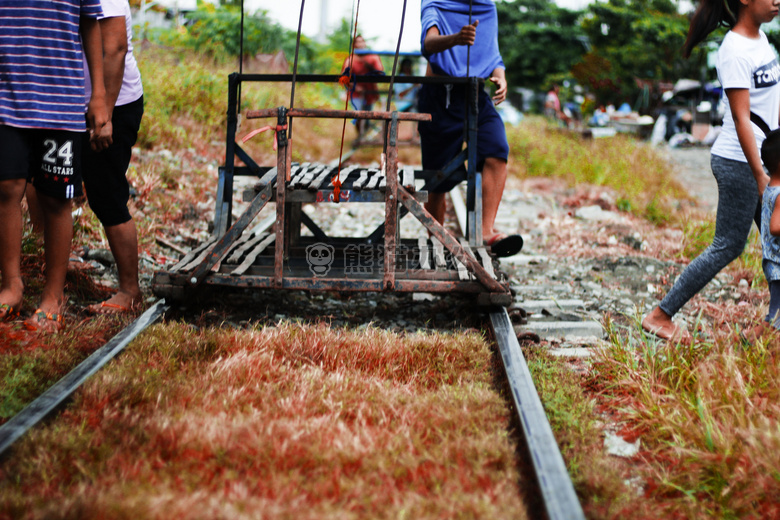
x=558 y=495
x=61 y=391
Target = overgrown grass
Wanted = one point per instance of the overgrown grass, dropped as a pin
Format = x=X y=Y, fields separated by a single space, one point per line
x=289 y=421
x=708 y=415
x=30 y=363
x=632 y=168
x=574 y=414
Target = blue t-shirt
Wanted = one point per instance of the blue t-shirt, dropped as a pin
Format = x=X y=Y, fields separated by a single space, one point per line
x=41 y=71
x=770 y=243
x=450 y=16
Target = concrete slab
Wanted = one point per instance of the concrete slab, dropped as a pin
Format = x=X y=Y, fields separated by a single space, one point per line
x=572 y=352
x=565 y=329
x=536 y=306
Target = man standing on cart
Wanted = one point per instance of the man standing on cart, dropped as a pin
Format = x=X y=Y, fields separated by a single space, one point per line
x=449 y=29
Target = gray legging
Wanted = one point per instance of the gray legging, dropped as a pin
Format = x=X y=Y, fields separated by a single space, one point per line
x=738 y=207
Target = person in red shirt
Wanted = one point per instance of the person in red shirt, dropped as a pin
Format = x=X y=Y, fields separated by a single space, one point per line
x=363 y=95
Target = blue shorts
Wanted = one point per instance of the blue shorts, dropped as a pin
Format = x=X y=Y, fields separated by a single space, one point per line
x=49 y=159
x=442 y=138
x=773 y=316
x=105 y=172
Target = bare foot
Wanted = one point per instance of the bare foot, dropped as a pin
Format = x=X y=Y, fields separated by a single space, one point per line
x=754 y=333
x=120 y=303
x=42 y=321
x=660 y=324
x=10 y=303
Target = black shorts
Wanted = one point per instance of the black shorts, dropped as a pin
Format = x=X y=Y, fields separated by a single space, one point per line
x=441 y=139
x=49 y=159
x=105 y=172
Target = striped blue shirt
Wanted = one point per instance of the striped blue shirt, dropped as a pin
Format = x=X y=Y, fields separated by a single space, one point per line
x=41 y=70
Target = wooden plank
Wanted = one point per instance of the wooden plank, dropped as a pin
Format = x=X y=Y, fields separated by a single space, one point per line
x=321 y=181
x=269 y=177
x=297 y=169
x=459 y=205
x=438 y=255
x=250 y=258
x=309 y=176
x=408 y=178
x=448 y=241
x=486 y=260
x=376 y=176
x=188 y=258
x=343 y=175
x=425 y=253
x=296 y=175
x=358 y=184
x=236 y=253
x=463 y=272
x=237 y=244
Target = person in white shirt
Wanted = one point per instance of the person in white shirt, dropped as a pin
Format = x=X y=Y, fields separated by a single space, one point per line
x=749 y=71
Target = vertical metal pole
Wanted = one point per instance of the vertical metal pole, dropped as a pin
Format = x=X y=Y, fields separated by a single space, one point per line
x=281 y=188
x=474 y=184
x=224 y=204
x=391 y=205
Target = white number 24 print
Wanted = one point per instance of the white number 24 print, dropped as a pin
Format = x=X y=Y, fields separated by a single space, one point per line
x=64 y=152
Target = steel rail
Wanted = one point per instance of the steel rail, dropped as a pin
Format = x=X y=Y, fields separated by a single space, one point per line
x=560 y=499
x=558 y=495
x=57 y=394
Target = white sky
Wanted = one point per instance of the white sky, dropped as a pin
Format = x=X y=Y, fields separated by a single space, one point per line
x=379 y=19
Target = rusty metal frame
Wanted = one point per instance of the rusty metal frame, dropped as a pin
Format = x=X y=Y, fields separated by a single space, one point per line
x=273 y=186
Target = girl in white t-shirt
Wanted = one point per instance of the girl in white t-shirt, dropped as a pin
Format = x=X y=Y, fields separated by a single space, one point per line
x=749 y=72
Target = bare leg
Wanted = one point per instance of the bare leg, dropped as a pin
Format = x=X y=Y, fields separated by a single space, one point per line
x=123 y=240
x=493 y=182
x=12 y=286
x=34 y=209
x=437 y=206
x=57 y=237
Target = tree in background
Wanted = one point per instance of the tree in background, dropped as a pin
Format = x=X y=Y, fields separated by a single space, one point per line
x=633 y=43
x=215 y=31
x=539 y=41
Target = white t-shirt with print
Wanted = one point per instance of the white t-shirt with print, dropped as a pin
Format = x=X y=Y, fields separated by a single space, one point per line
x=132 y=88
x=752 y=64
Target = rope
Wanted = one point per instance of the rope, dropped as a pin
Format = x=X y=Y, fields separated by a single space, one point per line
x=392 y=75
x=273 y=129
x=395 y=58
x=468 y=50
x=295 y=65
x=337 y=179
x=468 y=75
x=240 y=56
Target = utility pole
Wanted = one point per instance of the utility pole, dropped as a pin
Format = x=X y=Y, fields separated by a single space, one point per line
x=322 y=36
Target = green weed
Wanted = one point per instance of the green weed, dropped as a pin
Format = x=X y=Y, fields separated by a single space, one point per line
x=697 y=405
x=632 y=168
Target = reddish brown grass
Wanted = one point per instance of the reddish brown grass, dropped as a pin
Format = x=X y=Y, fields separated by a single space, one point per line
x=294 y=421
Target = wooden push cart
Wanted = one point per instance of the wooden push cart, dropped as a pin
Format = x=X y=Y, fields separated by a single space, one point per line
x=282 y=258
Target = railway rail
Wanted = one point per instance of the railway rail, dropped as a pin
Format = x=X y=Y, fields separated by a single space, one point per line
x=558 y=494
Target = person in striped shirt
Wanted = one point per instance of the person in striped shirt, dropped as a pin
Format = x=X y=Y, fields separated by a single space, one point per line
x=41 y=122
